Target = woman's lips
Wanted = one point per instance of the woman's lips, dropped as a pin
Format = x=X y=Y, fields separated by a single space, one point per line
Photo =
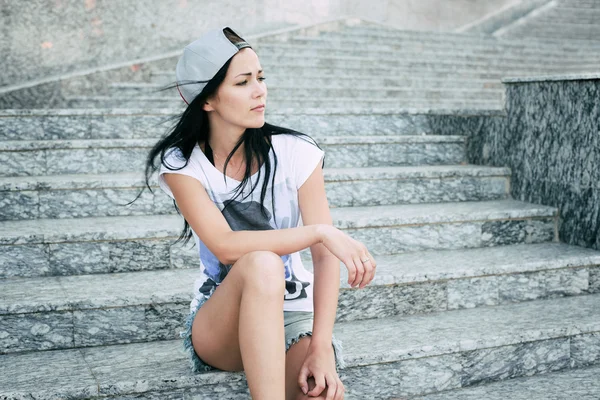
x=259 y=108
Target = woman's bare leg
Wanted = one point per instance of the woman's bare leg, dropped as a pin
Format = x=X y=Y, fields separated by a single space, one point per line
x=240 y=327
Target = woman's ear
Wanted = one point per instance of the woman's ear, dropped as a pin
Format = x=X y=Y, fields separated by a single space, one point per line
x=207 y=107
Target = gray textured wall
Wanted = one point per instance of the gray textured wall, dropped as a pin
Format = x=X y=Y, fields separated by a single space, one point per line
x=51 y=38
x=550 y=138
x=554 y=142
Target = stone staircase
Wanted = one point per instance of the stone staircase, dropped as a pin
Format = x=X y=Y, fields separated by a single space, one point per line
x=475 y=296
x=574 y=20
x=381 y=67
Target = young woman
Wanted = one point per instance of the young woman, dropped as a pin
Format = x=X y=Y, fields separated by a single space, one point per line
x=253 y=295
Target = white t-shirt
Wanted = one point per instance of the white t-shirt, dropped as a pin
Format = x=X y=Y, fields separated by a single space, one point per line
x=296 y=160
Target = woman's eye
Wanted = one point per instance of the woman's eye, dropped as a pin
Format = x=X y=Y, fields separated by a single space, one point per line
x=244 y=82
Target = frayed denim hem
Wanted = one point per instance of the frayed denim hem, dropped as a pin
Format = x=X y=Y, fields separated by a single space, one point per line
x=338 y=348
x=198 y=365
x=195 y=362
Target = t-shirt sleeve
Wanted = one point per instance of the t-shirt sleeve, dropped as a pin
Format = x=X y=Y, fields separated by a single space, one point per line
x=305 y=156
x=175 y=160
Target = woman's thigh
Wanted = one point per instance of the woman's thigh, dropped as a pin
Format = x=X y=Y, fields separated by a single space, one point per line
x=215 y=327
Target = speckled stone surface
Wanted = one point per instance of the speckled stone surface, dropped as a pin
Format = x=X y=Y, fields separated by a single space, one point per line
x=293 y=104
x=140 y=242
x=70 y=196
x=341 y=151
x=580 y=384
x=552 y=147
x=50 y=157
x=585 y=350
x=144 y=123
x=546 y=140
x=435 y=352
x=131 y=307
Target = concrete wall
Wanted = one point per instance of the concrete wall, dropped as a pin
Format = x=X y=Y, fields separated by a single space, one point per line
x=53 y=37
x=47 y=39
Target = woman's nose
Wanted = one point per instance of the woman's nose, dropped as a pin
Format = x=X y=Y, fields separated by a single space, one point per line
x=260 y=89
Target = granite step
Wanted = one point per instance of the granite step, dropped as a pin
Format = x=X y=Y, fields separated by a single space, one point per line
x=469 y=41
x=335 y=82
x=386 y=357
x=49 y=247
x=389 y=62
x=145 y=123
x=55 y=157
x=568 y=27
x=421 y=53
x=379 y=35
x=441 y=43
x=419 y=50
x=167 y=76
x=292 y=105
x=103 y=309
x=76 y=196
x=550 y=33
x=344 y=64
x=278 y=94
x=580 y=384
x=375 y=71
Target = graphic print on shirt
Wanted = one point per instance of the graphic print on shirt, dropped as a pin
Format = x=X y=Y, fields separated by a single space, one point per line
x=247 y=215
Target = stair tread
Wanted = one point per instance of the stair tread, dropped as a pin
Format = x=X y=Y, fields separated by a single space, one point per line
x=136 y=179
x=57 y=293
x=162 y=365
x=580 y=384
x=20 y=145
x=167 y=226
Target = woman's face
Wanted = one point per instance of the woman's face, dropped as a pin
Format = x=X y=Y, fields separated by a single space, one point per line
x=241 y=91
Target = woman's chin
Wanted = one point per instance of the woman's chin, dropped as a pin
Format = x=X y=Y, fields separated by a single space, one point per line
x=257 y=123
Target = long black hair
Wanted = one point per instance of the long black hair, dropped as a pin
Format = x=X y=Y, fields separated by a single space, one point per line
x=192 y=128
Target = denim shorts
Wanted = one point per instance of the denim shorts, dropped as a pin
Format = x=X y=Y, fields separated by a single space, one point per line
x=297 y=324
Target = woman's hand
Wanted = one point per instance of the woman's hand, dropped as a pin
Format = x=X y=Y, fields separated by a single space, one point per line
x=320 y=364
x=352 y=253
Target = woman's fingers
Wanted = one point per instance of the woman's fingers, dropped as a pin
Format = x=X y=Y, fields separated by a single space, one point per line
x=351 y=270
x=332 y=388
x=360 y=271
x=320 y=382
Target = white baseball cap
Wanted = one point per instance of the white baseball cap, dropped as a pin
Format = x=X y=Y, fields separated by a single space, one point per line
x=202 y=59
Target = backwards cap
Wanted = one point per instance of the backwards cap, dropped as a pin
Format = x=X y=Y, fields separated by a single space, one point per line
x=202 y=59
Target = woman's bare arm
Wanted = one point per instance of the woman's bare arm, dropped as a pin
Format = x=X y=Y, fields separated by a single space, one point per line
x=228 y=246
x=314 y=209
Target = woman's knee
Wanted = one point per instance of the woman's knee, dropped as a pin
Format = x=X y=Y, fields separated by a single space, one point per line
x=264 y=269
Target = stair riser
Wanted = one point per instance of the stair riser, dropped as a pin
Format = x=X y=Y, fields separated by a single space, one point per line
x=409 y=62
x=131 y=159
x=352 y=81
x=111 y=126
x=464 y=368
x=279 y=95
x=419 y=52
x=111 y=202
x=412 y=376
x=34 y=257
x=53 y=328
x=450 y=42
x=543 y=33
x=423 y=46
x=376 y=36
x=293 y=106
x=399 y=75
x=344 y=87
